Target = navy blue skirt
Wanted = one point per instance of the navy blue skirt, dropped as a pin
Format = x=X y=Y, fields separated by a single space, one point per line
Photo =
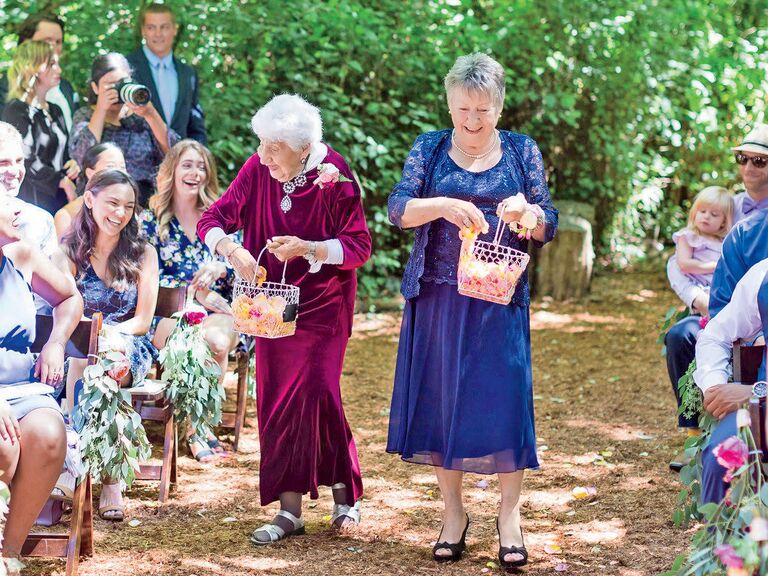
x=463 y=398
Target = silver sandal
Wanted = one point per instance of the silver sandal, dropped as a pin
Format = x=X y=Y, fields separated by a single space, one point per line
x=276 y=533
x=351 y=512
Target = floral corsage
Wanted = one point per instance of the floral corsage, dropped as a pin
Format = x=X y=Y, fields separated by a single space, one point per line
x=328 y=174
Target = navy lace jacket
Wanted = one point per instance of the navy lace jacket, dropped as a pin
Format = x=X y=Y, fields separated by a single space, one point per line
x=521 y=157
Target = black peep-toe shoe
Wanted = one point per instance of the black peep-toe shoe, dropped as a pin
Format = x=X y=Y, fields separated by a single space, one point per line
x=456 y=549
x=504 y=550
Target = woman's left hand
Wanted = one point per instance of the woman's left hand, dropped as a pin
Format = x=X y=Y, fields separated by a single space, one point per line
x=512 y=209
x=49 y=368
x=287 y=247
x=147 y=111
x=208 y=273
x=72 y=169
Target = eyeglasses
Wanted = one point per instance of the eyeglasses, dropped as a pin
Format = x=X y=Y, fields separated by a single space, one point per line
x=757 y=161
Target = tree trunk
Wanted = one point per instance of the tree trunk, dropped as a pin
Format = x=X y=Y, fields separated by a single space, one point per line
x=563 y=268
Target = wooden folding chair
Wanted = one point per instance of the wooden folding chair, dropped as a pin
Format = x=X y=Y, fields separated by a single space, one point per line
x=78 y=541
x=150 y=403
x=236 y=419
x=746 y=365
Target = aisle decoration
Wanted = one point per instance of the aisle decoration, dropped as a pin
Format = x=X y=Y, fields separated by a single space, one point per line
x=191 y=373
x=112 y=438
x=733 y=540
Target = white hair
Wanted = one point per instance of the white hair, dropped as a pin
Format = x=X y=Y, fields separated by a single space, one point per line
x=288 y=118
x=9 y=132
x=477 y=72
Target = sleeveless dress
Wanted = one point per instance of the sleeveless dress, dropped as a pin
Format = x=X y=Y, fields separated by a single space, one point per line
x=117 y=307
x=17 y=333
x=704 y=249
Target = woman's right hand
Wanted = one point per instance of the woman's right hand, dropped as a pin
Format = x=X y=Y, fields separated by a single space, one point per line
x=244 y=264
x=463 y=214
x=9 y=426
x=107 y=97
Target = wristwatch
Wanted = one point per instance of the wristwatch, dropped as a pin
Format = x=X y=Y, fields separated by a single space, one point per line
x=312 y=252
x=760 y=389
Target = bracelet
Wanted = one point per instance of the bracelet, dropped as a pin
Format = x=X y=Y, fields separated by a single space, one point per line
x=232 y=251
x=312 y=252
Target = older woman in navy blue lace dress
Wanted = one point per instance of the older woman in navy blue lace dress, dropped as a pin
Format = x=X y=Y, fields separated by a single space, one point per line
x=462 y=399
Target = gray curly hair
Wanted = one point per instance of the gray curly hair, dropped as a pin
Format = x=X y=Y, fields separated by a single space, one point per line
x=477 y=72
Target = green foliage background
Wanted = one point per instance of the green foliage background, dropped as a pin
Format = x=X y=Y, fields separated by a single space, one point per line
x=635 y=104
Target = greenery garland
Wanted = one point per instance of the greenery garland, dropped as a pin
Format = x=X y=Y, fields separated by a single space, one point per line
x=112 y=438
x=734 y=536
x=192 y=374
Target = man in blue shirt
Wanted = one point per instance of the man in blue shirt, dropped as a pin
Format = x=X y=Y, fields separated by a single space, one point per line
x=173 y=84
x=740 y=252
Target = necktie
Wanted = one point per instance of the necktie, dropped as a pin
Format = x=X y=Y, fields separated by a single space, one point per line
x=164 y=94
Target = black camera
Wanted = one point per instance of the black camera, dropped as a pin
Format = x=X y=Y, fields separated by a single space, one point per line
x=132 y=92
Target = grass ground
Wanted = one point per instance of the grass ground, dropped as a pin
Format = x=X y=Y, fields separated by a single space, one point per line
x=604 y=416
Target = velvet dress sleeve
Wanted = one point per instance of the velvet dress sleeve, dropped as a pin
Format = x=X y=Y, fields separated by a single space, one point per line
x=351 y=228
x=536 y=189
x=228 y=212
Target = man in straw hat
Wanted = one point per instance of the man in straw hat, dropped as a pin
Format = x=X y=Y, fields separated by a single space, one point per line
x=746 y=245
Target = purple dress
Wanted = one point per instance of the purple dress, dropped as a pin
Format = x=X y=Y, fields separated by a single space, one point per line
x=305 y=439
x=462 y=397
x=705 y=249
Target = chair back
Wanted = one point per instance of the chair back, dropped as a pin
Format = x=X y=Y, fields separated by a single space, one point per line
x=170 y=301
x=746 y=366
x=83 y=343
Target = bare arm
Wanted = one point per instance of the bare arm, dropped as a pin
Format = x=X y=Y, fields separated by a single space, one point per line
x=687 y=264
x=463 y=214
x=147 y=296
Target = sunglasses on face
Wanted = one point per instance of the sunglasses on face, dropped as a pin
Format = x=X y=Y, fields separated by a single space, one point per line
x=757 y=161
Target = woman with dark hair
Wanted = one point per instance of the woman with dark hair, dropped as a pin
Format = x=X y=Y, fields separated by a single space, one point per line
x=50 y=172
x=139 y=131
x=104 y=156
x=186 y=187
x=117 y=274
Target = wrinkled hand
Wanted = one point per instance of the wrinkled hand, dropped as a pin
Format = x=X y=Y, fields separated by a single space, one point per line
x=208 y=273
x=464 y=214
x=49 y=368
x=72 y=168
x=244 y=264
x=9 y=426
x=722 y=399
x=512 y=209
x=286 y=247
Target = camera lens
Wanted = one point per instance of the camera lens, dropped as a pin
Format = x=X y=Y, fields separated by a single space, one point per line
x=133 y=92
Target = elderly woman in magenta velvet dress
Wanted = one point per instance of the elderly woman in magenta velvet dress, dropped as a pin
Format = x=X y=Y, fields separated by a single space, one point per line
x=297 y=197
x=462 y=399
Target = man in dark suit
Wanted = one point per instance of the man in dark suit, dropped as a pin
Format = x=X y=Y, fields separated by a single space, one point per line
x=47 y=28
x=173 y=84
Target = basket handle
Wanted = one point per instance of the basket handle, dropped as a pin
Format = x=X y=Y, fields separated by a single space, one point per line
x=500 y=226
x=285 y=266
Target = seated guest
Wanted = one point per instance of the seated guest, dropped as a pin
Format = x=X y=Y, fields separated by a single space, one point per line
x=752 y=158
x=173 y=83
x=186 y=187
x=49 y=29
x=139 y=131
x=32 y=436
x=117 y=274
x=743 y=318
x=50 y=173
x=104 y=156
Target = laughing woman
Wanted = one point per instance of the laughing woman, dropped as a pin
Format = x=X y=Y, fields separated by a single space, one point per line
x=116 y=272
x=462 y=399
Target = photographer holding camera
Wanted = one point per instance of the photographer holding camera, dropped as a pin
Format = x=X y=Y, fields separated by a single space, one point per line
x=121 y=112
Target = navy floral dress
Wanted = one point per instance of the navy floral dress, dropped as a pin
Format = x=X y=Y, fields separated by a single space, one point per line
x=181 y=258
x=118 y=307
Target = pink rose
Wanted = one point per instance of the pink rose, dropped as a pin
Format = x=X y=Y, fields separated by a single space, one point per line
x=327 y=175
x=194 y=317
x=728 y=556
x=703 y=321
x=731 y=454
x=117 y=365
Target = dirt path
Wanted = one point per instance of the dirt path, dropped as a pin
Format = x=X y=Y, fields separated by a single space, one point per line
x=605 y=418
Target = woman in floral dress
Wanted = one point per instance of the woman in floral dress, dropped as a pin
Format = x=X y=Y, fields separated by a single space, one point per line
x=186 y=186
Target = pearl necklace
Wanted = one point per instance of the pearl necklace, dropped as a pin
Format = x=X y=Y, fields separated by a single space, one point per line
x=475 y=156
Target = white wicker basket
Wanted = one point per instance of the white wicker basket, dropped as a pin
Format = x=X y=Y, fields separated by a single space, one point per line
x=489 y=271
x=268 y=310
